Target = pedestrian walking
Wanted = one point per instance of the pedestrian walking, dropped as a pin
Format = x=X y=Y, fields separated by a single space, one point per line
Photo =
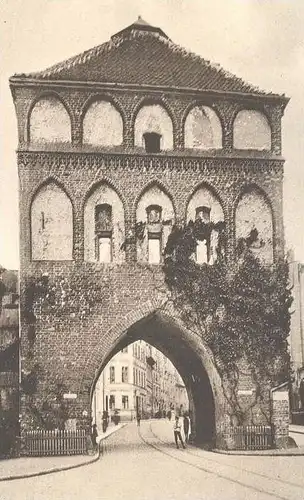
x=186 y=427
x=177 y=432
x=105 y=421
x=138 y=419
x=94 y=435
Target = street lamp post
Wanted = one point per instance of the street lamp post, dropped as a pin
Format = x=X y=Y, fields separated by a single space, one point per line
x=151 y=363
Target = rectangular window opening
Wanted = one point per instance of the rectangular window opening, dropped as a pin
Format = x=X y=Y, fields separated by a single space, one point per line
x=154 y=250
x=125 y=402
x=124 y=374
x=104 y=250
x=112 y=374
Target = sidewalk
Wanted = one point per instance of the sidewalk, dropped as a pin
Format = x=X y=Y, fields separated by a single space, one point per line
x=19 y=468
x=163 y=430
x=298 y=429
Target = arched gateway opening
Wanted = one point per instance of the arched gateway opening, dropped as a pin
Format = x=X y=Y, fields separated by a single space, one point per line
x=194 y=363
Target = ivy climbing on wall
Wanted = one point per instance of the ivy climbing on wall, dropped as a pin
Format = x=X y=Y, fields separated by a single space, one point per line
x=240 y=311
x=61 y=297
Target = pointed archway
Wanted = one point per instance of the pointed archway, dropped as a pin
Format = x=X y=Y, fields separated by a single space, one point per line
x=186 y=350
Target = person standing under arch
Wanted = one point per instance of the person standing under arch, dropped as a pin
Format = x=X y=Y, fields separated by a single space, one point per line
x=177 y=432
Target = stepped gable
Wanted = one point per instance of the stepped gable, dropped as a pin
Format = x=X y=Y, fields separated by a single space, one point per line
x=142 y=54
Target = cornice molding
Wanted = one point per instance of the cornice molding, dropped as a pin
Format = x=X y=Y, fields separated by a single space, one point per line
x=143 y=88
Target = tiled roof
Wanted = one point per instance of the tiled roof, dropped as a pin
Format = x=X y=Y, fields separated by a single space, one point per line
x=143 y=55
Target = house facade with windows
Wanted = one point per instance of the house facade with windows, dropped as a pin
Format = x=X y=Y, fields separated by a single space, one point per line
x=117 y=146
x=9 y=361
x=138 y=379
x=296 y=339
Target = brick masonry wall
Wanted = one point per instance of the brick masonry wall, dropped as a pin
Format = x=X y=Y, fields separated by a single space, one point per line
x=128 y=103
x=280 y=419
x=71 y=345
x=131 y=175
x=254 y=212
x=65 y=341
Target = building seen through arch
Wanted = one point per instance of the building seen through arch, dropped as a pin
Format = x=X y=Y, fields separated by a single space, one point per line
x=138 y=380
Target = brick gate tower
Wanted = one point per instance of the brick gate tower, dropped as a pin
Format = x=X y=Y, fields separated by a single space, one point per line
x=115 y=146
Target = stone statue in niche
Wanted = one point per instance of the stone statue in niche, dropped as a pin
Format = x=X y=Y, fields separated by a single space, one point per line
x=103 y=218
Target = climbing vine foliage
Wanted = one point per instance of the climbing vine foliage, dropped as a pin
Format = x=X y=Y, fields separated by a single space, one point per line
x=241 y=313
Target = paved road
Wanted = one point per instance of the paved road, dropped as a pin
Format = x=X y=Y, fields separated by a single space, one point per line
x=150 y=468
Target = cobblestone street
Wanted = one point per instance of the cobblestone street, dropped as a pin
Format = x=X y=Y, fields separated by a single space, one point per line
x=148 y=466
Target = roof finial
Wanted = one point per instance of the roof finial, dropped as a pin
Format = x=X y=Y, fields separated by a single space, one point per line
x=139 y=18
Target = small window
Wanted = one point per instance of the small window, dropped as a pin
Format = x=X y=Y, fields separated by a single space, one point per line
x=203 y=214
x=125 y=402
x=4 y=400
x=104 y=250
x=154 y=218
x=152 y=142
x=112 y=374
x=124 y=374
x=112 y=402
x=103 y=232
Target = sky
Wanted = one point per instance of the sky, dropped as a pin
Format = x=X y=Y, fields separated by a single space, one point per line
x=261 y=41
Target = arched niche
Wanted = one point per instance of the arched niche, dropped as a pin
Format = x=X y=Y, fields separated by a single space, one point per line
x=102 y=125
x=49 y=122
x=206 y=207
x=104 y=226
x=155 y=212
x=51 y=224
x=203 y=129
x=153 y=118
x=253 y=211
x=251 y=130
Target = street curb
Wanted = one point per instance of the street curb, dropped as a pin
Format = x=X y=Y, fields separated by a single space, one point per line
x=63 y=468
x=50 y=471
x=257 y=453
